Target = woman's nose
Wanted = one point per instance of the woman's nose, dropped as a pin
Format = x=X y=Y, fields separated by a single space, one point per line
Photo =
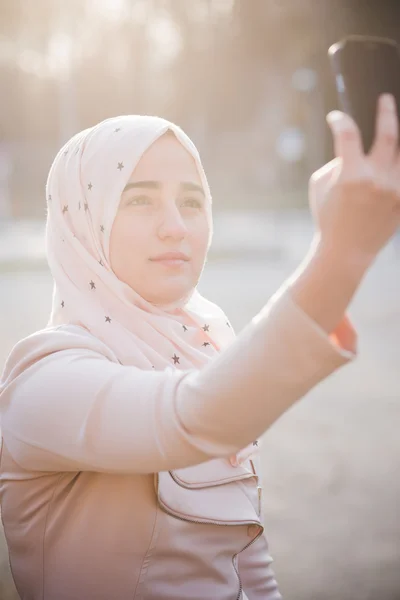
x=172 y=225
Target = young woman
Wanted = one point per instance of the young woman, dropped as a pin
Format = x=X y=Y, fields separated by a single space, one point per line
x=128 y=465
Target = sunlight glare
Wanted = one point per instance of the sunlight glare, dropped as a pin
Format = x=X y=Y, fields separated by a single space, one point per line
x=31 y=62
x=111 y=10
x=165 y=39
x=59 y=54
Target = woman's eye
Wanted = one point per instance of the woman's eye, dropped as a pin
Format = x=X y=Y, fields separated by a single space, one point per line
x=140 y=201
x=192 y=203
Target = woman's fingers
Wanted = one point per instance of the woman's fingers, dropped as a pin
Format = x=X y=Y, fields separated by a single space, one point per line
x=384 y=150
x=347 y=143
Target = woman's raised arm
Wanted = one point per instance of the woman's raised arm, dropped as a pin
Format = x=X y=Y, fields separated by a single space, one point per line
x=79 y=409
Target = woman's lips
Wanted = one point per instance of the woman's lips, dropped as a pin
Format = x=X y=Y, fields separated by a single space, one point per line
x=171 y=259
x=171 y=262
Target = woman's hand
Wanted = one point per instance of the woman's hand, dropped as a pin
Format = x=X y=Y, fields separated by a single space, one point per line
x=355 y=199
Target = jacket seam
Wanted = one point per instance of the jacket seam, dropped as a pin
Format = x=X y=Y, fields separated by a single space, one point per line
x=147 y=553
x=210 y=483
x=206 y=520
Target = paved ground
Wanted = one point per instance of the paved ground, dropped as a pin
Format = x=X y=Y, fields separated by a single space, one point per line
x=332 y=485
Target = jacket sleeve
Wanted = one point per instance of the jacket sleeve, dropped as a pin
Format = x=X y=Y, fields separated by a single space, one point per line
x=77 y=409
x=256 y=574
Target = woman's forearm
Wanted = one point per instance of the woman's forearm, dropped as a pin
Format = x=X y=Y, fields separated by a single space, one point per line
x=275 y=361
x=325 y=284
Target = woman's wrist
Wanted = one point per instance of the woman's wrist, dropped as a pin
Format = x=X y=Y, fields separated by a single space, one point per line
x=354 y=261
x=326 y=282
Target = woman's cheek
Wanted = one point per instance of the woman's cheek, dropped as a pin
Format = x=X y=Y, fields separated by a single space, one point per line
x=201 y=230
x=137 y=233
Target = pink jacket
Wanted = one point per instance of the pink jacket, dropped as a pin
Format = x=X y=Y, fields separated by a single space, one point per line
x=85 y=516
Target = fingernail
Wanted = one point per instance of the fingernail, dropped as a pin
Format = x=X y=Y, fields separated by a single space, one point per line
x=337 y=120
x=388 y=101
x=335 y=117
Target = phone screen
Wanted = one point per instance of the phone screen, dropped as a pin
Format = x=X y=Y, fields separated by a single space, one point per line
x=364 y=68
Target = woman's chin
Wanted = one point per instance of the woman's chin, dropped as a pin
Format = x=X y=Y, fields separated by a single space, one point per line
x=173 y=290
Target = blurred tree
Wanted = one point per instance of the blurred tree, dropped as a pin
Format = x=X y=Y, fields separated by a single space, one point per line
x=233 y=73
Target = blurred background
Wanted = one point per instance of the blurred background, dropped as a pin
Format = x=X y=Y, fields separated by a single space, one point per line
x=249 y=81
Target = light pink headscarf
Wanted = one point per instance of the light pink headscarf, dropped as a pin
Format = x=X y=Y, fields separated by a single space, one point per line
x=83 y=191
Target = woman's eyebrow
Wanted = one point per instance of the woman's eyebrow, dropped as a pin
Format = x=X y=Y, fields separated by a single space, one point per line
x=186 y=186
x=152 y=185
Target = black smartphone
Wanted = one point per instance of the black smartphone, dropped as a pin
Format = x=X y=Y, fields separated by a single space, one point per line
x=365 y=67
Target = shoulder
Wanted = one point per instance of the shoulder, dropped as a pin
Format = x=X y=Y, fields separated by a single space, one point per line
x=52 y=345
x=70 y=337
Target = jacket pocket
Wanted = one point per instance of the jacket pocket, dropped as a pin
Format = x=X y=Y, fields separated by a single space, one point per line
x=209 y=493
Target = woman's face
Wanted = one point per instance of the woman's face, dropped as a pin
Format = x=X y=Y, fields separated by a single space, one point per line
x=160 y=234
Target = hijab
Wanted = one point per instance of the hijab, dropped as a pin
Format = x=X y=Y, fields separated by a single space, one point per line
x=83 y=190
